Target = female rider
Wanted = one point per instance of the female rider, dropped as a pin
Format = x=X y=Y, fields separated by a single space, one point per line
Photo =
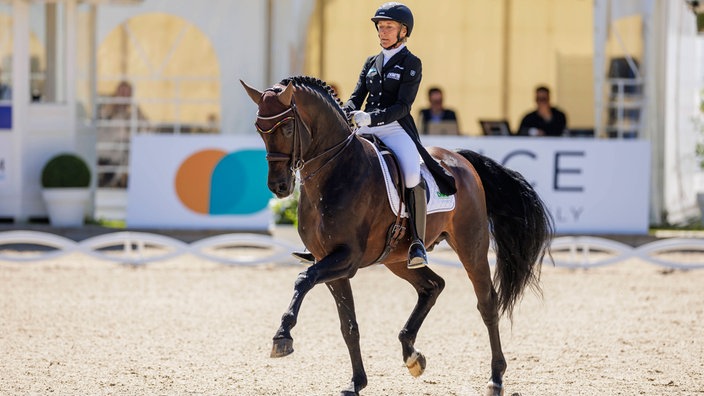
x=389 y=83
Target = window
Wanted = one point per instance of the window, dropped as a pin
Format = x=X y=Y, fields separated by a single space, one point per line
x=157 y=73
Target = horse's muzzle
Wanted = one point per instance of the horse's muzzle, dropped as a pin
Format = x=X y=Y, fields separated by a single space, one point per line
x=280 y=188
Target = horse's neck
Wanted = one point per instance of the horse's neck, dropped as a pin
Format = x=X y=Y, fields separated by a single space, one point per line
x=338 y=168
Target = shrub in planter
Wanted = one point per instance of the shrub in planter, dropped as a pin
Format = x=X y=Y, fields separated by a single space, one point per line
x=66 y=170
x=65 y=181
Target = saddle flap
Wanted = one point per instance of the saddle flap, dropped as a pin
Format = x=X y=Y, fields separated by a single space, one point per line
x=437 y=202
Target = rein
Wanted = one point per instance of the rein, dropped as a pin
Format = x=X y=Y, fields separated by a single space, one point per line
x=296 y=156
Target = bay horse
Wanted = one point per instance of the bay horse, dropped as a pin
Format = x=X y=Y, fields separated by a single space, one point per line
x=343 y=224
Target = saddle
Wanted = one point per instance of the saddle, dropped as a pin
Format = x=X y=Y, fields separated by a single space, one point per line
x=437 y=202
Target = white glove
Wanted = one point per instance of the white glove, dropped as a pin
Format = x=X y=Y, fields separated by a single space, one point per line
x=361 y=119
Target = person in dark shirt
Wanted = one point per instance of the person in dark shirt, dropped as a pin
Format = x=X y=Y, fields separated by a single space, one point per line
x=546 y=120
x=5 y=90
x=436 y=112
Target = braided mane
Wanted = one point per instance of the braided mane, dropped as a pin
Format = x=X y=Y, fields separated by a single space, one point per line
x=320 y=88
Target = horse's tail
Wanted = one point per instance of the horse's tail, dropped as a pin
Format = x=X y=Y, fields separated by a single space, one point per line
x=520 y=224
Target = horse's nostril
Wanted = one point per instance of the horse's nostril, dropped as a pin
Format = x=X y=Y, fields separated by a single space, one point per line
x=282 y=188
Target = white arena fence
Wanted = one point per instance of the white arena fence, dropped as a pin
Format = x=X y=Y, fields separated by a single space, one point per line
x=141 y=248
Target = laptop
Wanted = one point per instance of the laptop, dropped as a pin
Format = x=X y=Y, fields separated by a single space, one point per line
x=495 y=127
x=446 y=127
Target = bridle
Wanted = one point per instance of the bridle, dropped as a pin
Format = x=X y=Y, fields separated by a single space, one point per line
x=296 y=155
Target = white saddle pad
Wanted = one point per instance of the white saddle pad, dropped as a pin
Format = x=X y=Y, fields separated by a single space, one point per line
x=437 y=202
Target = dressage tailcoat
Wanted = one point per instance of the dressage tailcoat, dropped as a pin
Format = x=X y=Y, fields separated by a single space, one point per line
x=389 y=91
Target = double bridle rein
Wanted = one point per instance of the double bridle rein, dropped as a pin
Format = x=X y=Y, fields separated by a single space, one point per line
x=296 y=155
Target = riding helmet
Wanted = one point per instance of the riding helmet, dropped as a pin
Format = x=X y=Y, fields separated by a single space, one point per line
x=393 y=11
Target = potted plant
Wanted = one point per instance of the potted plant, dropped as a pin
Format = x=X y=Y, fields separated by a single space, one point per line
x=65 y=188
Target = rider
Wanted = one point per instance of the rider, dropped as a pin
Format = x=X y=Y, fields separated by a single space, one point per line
x=389 y=83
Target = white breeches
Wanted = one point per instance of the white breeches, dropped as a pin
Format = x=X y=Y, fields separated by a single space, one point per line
x=394 y=136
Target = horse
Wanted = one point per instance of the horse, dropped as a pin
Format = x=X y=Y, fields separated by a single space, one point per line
x=306 y=131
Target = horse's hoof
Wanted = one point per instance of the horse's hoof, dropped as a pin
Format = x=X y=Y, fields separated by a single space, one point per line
x=494 y=389
x=350 y=390
x=282 y=347
x=416 y=364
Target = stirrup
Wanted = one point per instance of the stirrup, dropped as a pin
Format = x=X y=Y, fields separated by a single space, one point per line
x=417 y=257
x=304 y=257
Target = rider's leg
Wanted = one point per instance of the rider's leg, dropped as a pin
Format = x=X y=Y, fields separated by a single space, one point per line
x=415 y=201
x=405 y=150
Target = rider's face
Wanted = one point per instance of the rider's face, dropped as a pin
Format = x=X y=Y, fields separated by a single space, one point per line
x=388 y=32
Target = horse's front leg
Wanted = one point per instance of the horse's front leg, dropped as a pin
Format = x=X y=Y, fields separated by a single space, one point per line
x=335 y=266
x=342 y=292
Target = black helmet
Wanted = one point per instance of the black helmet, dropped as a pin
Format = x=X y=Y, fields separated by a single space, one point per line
x=393 y=11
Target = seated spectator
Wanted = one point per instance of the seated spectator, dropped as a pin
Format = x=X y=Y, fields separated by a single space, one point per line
x=5 y=89
x=437 y=114
x=545 y=120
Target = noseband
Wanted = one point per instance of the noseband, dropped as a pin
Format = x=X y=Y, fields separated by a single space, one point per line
x=296 y=156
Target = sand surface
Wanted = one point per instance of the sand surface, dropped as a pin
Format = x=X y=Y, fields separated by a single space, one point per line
x=81 y=326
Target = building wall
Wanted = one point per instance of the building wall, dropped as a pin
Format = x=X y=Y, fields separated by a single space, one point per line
x=487 y=55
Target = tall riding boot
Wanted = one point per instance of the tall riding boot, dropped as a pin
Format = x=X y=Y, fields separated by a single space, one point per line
x=304 y=257
x=416 y=204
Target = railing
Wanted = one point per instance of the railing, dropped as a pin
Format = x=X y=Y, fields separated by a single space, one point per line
x=625 y=107
x=139 y=248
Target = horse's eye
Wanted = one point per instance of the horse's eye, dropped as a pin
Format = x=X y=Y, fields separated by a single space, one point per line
x=287 y=130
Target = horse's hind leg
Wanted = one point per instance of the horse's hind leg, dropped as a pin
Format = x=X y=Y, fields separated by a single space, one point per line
x=428 y=285
x=342 y=292
x=487 y=303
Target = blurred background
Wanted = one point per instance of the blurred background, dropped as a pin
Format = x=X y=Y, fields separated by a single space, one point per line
x=89 y=76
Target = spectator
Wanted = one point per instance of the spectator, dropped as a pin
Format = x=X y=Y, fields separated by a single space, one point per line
x=436 y=113
x=5 y=89
x=121 y=120
x=545 y=120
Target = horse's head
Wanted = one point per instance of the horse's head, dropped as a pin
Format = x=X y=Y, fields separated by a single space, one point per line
x=277 y=125
x=301 y=121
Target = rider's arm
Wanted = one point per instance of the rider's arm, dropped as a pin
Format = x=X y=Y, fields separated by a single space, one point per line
x=360 y=91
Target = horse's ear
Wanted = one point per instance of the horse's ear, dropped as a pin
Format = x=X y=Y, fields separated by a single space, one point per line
x=286 y=95
x=253 y=93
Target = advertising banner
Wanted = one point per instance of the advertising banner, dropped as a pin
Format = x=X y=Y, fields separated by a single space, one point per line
x=591 y=186
x=198 y=182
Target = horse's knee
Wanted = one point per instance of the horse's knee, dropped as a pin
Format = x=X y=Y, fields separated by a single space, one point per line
x=303 y=282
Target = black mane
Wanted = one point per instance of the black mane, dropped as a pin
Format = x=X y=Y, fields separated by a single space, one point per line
x=320 y=87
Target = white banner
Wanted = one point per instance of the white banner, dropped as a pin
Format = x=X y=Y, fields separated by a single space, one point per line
x=591 y=186
x=198 y=182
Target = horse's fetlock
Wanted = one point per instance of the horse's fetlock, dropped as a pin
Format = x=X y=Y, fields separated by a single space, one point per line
x=406 y=338
x=288 y=320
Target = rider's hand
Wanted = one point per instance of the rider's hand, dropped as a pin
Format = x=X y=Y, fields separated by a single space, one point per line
x=361 y=118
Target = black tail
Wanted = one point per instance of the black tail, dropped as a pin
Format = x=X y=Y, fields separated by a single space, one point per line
x=521 y=225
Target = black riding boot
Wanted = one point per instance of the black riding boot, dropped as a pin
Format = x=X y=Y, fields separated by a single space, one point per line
x=304 y=257
x=416 y=204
